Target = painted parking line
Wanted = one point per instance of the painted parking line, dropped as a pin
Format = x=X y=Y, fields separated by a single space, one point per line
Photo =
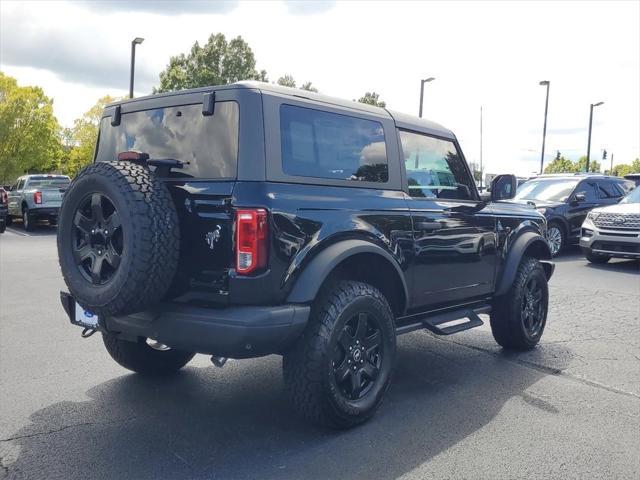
x=17 y=231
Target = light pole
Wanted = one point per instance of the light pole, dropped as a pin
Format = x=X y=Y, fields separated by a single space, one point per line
x=134 y=42
x=546 y=83
x=422 y=82
x=590 y=124
x=480 y=147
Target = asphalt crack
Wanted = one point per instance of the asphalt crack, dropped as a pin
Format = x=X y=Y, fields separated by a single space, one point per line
x=49 y=432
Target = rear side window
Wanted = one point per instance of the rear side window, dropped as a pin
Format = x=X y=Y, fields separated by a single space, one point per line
x=434 y=168
x=207 y=144
x=608 y=190
x=328 y=145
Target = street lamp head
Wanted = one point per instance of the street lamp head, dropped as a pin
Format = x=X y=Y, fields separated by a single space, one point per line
x=138 y=40
x=596 y=104
x=430 y=79
x=545 y=82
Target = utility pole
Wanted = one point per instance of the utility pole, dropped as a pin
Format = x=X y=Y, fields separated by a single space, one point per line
x=481 y=148
x=611 y=169
x=544 y=129
x=590 y=125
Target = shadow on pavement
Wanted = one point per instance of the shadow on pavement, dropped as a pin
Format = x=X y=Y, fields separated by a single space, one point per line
x=236 y=423
x=41 y=230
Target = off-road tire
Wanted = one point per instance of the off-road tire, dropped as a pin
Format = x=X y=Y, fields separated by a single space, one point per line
x=507 y=322
x=8 y=220
x=150 y=231
x=307 y=367
x=141 y=358
x=596 y=258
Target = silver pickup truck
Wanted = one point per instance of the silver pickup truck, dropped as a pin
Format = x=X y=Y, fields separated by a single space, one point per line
x=34 y=197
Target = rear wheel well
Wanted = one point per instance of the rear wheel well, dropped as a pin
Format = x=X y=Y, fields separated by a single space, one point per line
x=24 y=206
x=376 y=271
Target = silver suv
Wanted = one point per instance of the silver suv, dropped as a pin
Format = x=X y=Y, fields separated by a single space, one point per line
x=36 y=196
x=613 y=231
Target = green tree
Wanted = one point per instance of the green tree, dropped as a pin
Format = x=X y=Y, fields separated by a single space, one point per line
x=28 y=130
x=217 y=62
x=309 y=87
x=372 y=98
x=623 y=169
x=581 y=165
x=287 y=81
x=560 y=165
x=80 y=140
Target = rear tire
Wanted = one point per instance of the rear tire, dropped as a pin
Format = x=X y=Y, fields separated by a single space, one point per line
x=8 y=220
x=556 y=238
x=597 y=258
x=518 y=318
x=141 y=358
x=28 y=221
x=339 y=370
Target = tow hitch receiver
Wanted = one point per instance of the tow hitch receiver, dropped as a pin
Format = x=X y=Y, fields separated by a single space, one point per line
x=79 y=316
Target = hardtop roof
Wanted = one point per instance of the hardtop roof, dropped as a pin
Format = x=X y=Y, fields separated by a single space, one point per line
x=402 y=120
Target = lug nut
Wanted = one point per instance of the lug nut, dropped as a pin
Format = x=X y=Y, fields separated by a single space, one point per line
x=348 y=361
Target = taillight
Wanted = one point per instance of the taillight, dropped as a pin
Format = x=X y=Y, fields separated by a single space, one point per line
x=251 y=240
x=37 y=197
x=4 y=198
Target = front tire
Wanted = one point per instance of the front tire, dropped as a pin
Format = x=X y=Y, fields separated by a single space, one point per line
x=339 y=370
x=518 y=318
x=597 y=258
x=141 y=358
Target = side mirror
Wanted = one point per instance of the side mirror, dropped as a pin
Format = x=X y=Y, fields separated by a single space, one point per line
x=579 y=197
x=503 y=187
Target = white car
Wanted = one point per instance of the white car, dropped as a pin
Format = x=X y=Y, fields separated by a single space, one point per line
x=613 y=231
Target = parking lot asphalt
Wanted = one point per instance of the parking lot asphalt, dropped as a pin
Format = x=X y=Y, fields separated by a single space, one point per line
x=458 y=406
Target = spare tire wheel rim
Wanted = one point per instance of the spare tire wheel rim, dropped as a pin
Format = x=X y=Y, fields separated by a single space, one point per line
x=97 y=239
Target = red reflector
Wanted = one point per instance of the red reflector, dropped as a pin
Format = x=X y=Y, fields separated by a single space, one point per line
x=37 y=197
x=251 y=240
x=133 y=156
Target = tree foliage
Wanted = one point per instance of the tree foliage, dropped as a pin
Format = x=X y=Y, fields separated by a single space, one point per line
x=217 y=62
x=79 y=141
x=28 y=130
x=563 y=165
x=288 y=81
x=623 y=169
x=372 y=98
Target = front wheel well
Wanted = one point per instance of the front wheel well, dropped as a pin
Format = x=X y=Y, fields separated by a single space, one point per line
x=376 y=271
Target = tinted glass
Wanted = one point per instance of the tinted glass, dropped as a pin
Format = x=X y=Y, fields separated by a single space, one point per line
x=590 y=190
x=550 y=190
x=434 y=168
x=633 y=197
x=329 y=145
x=20 y=185
x=607 y=189
x=49 y=183
x=208 y=143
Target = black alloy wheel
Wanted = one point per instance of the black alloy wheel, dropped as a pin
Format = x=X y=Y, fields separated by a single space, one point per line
x=98 y=239
x=533 y=309
x=358 y=356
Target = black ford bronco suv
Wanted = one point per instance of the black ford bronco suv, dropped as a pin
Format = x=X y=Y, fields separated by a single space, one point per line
x=246 y=220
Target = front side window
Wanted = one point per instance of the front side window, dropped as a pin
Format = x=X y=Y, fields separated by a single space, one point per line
x=207 y=145
x=434 y=168
x=320 y=144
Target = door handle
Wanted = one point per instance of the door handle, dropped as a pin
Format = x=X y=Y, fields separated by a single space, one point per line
x=429 y=226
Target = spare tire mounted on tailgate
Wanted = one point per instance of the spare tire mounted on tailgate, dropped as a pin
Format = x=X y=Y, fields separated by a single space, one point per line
x=118 y=238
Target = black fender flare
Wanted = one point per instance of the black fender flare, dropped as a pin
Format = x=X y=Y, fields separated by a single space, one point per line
x=314 y=274
x=516 y=252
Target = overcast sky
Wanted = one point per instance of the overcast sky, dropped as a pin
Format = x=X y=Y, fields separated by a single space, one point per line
x=481 y=53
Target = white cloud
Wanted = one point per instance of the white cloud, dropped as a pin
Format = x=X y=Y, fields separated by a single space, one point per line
x=481 y=53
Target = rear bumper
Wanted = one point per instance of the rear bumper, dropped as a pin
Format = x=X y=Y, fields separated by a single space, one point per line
x=44 y=211
x=234 y=332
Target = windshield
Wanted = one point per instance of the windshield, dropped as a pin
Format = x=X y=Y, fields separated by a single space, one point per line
x=49 y=183
x=632 y=197
x=547 y=190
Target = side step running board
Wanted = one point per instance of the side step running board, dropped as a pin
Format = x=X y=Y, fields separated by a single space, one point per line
x=437 y=322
